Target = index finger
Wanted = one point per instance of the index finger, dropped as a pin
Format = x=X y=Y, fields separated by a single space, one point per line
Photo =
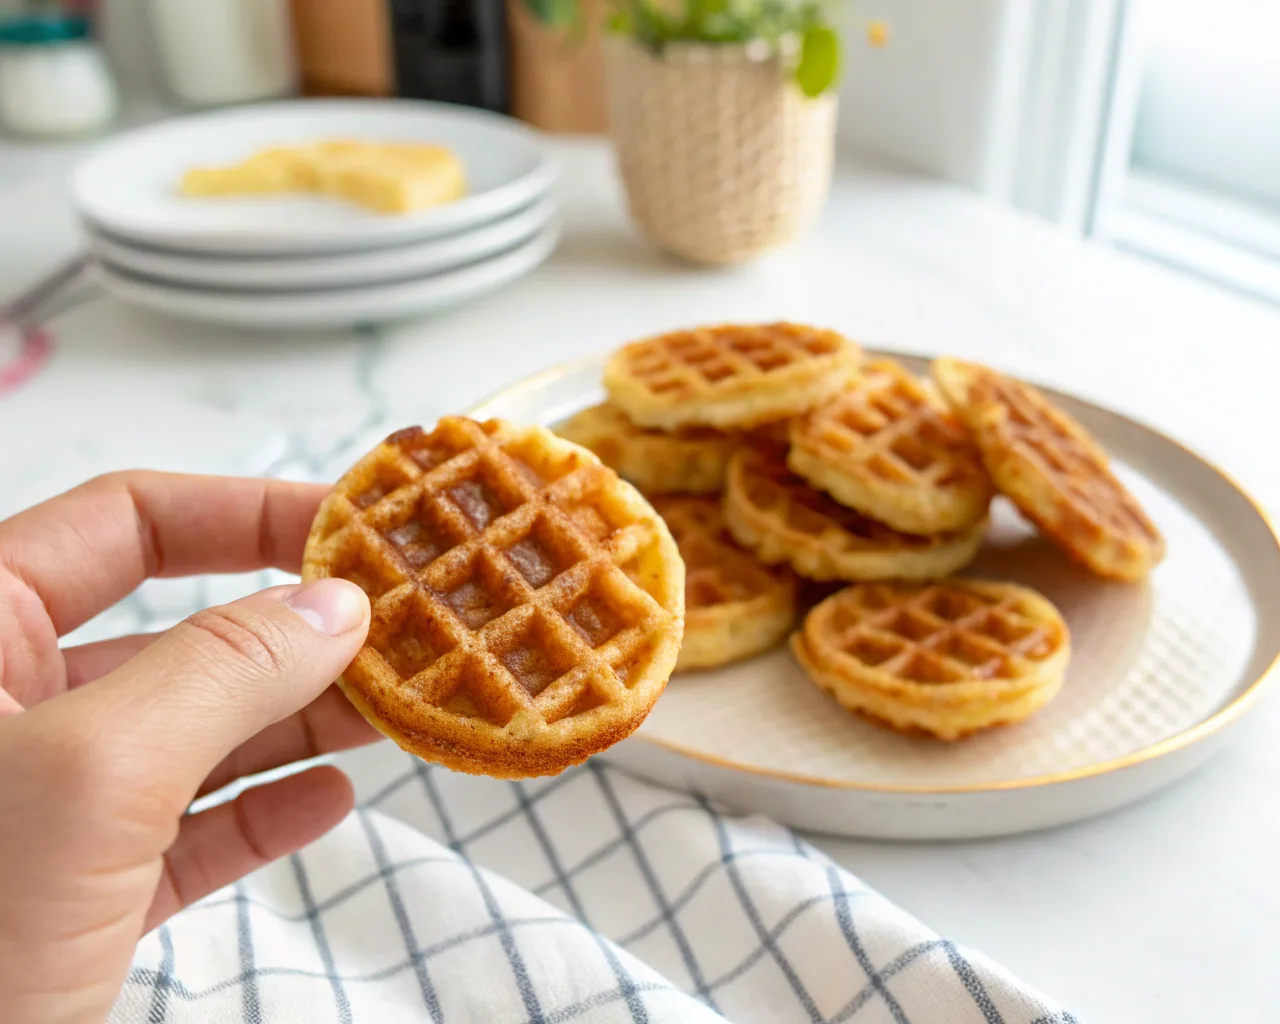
x=86 y=549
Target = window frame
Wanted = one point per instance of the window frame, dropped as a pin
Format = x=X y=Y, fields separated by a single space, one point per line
x=1209 y=235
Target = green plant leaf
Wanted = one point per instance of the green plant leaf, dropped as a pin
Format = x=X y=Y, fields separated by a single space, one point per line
x=650 y=26
x=655 y=23
x=553 y=12
x=819 y=65
x=621 y=22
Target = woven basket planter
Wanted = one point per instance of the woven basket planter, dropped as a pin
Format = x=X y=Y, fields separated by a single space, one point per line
x=721 y=156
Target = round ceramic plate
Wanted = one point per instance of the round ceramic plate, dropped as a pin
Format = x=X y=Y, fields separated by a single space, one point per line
x=275 y=273
x=1159 y=670
x=332 y=307
x=127 y=189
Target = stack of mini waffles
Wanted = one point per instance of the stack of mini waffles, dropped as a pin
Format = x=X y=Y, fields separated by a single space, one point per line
x=782 y=458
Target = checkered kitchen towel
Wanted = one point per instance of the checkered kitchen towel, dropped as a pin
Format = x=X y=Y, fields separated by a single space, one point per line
x=589 y=897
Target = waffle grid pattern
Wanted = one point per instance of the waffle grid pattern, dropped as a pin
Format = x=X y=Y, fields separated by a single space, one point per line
x=950 y=633
x=888 y=448
x=944 y=660
x=684 y=364
x=717 y=570
x=780 y=517
x=1072 y=458
x=498 y=569
x=734 y=606
x=691 y=460
x=1072 y=461
x=1147 y=662
x=767 y=484
x=729 y=375
x=1054 y=470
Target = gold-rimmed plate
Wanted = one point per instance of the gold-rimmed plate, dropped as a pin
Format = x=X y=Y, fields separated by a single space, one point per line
x=1160 y=669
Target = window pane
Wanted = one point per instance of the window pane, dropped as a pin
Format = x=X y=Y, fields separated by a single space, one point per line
x=1209 y=111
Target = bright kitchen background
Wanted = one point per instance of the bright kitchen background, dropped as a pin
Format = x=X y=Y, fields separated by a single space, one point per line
x=1148 y=125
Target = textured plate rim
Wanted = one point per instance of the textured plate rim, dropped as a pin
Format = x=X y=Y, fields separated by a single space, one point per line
x=1202 y=730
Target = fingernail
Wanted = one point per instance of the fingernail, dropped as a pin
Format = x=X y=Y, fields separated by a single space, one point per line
x=331 y=606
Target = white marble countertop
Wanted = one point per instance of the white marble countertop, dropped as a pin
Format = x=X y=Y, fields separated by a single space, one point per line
x=1159 y=912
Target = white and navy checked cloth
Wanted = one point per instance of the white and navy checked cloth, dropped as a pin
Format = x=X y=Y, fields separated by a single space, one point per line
x=592 y=897
x=589 y=897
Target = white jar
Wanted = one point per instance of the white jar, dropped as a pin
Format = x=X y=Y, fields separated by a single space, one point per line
x=54 y=81
x=214 y=52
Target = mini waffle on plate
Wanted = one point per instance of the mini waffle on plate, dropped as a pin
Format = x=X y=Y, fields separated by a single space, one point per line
x=944 y=659
x=527 y=604
x=889 y=448
x=1157 y=669
x=729 y=375
x=1053 y=470
x=775 y=514
x=734 y=606
x=689 y=461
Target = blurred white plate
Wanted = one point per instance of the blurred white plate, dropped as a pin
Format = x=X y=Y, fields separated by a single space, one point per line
x=273 y=273
x=127 y=188
x=329 y=308
x=1159 y=671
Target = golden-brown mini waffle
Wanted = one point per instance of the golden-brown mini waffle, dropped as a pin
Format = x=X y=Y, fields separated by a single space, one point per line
x=734 y=606
x=730 y=375
x=527 y=604
x=944 y=659
x=1053 y=470
x=890 y=449
x=691 y=460
x=779 y=517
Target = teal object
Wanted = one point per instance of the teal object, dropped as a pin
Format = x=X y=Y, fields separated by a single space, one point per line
x=47 y=30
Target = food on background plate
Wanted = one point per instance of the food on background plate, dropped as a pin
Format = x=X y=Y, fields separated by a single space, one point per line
x=734 y=606
x=386 y=177
x=944 y=660
x=1053 y=470
x=781 y=518
x=528 y=605
x=889 y=448
x=729 y=375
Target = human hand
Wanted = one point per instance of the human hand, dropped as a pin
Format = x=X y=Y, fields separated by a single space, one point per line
x=104 y=746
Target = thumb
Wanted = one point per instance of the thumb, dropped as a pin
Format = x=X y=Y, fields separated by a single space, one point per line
x=224 y=674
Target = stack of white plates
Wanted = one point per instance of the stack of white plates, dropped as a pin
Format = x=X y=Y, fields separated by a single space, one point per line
x=294 y=262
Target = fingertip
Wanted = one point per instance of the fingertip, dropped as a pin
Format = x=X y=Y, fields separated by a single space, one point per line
x=332 y=606
x=334 y=781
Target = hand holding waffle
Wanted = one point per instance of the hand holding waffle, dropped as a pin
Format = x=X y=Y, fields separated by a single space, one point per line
x=103 y=746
